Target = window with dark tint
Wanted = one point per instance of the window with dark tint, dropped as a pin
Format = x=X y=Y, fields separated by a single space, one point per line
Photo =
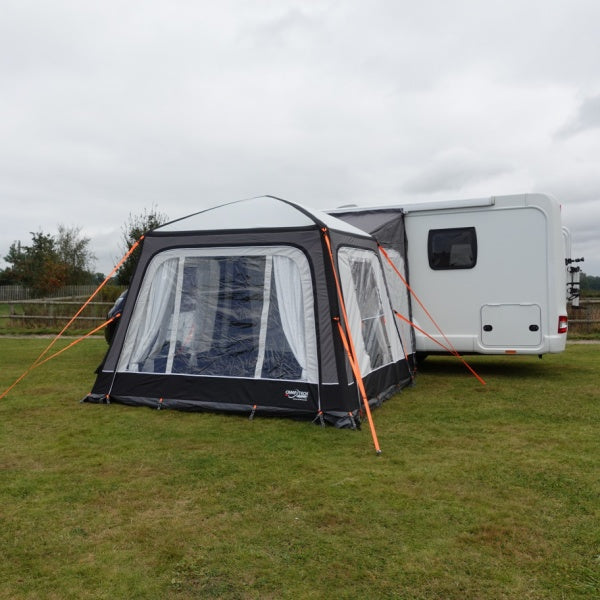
x=452 y=248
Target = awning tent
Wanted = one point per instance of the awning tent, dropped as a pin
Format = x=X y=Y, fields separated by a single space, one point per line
x=257 y=306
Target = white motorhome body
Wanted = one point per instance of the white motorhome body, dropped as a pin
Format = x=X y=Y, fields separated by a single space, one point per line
x=491 y=273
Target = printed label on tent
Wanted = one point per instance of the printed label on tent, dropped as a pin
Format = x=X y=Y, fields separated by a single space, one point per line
x=301 y=395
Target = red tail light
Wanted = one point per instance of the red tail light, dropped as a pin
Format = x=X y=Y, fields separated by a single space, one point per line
x=563 y=324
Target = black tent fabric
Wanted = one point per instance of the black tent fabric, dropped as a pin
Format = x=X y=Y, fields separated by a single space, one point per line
x=236 y=309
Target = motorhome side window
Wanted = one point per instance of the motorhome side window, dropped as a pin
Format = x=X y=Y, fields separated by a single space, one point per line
x=452 y=248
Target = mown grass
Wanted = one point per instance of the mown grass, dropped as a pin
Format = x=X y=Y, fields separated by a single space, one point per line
x=481 y=492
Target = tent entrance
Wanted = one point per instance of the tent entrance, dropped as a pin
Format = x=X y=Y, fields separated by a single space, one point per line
x=225 y=312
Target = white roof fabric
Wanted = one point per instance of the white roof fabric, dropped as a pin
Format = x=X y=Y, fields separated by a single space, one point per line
x=263 y=212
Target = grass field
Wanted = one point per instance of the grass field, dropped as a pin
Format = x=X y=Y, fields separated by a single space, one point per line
x=481 y=492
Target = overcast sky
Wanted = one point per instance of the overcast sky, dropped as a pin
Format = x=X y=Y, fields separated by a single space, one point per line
x=109 y=108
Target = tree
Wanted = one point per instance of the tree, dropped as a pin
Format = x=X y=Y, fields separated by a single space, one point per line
x=133 y=229
x=10 y=276
x=590 y=284
x=36 y=266
x=50 y=262
x=73 y=252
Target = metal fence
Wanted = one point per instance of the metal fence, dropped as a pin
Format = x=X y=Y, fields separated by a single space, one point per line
x=13 y=293
x=10 y=293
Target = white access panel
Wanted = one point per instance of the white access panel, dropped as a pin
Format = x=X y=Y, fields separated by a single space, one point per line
x=511 y=325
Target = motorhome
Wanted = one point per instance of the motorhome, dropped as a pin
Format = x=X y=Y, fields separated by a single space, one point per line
x=487 y=275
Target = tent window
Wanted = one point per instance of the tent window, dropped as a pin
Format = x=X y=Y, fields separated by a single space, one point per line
x=217 y=328
x=232 y=312
x=368 y=307
x=280 y=360
x=377 y=343
x=452 y=248
x=399 y=295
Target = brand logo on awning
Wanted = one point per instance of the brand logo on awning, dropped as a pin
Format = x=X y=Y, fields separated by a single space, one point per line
x=301 y=395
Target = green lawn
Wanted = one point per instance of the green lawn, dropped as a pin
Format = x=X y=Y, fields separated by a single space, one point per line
x=481 y=492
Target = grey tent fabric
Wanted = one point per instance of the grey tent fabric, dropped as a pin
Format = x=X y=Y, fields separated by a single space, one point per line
x=386 y=225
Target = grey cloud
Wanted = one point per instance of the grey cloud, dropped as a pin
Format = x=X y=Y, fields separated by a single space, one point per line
x=586 y=118
x=452 y=171
x=280 y=27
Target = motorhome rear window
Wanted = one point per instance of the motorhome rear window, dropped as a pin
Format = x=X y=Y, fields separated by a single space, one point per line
x=452 y=248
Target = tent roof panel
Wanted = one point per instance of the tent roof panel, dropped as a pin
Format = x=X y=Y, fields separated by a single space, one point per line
x=252 y=213
x=263 y=212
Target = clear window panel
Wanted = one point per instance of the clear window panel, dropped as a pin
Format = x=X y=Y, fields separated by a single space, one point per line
x=369 y=311
x=232 y=312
